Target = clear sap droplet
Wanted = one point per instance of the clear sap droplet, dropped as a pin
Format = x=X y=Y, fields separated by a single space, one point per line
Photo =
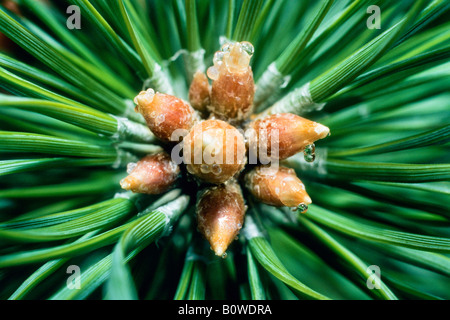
x=204 y=168
x=239 y=225
x=130 y=167
x=310 y=157
x=248 y=47
x=218 y=57
x=213 y=73
x=189 y=169
x=310 y=149
x=224 y=255
x=302 y=207
x=226 y=47
x=216 y=169
x=124 y=184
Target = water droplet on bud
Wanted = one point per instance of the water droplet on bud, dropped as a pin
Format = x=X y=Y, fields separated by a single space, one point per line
x=131 y=166
x=310 y=149
x=226 y=47
x=216 y=169
x=124 y=184
x=204 y=168
x=213 y=73
x=218 y=57
x=224 y=255
x=248 y=47
x=310 y=157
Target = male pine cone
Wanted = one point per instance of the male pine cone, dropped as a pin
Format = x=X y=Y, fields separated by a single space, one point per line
x=215 y=151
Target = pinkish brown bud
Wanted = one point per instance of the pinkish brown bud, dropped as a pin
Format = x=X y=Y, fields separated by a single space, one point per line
x=199 y=92
x=153 y=174
x=164 y=113
x=283 y=135
x=233 y=87
x=214 y=151
x=220 y=215
x=277 y=186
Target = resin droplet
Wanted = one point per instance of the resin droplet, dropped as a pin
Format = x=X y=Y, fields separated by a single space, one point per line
x=214 y=151
x=248 y=47
x=213 y=73
x=220 y=215
x=302 y=207
x=153 y=174
x=131 y=166
x=310 y=157
x=277 y=186
x=233 y=87
x=310 y=149
x=165 y=113
x=204 y=168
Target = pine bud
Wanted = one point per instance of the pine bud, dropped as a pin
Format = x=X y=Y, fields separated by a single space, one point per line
x=277 y=186
x=283 y=135
x=165 y=113
x=214 y=151
x=233 y=87
x=199 y=92
x=220 y=215
x=153 y=174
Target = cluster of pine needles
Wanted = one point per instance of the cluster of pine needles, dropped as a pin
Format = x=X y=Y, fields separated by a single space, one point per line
x=379 y=185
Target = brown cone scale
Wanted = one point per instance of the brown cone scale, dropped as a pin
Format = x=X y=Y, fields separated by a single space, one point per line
x=165 y=114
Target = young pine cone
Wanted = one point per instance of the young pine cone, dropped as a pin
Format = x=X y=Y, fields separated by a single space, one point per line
x=214 y=151
x=165 y=114
x=285 y=133
x=220 y=215
x=153 y=174
x=277 y=186
x=233 y=87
